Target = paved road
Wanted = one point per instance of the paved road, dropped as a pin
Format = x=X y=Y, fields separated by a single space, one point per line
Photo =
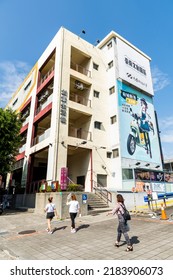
x=152 y=238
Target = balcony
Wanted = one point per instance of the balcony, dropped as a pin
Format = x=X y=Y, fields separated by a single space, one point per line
x=80 y=99
x=18 y=164
x=25 y=114
x=41 y=137
x=25 y=121
x=80 y=133
x=45 y=79
x=22 y=149
x=46 y=75
x=80 y=69
x=44 y=104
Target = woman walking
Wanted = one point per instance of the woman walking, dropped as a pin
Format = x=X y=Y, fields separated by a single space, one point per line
x=74 y=208
x=123 y=227
x=50 y=209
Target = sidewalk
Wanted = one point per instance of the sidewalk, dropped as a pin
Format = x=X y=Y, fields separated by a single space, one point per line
x=94 y=239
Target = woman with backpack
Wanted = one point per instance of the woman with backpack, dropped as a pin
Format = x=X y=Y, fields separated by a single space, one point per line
x=123 y=227
x=50 y=210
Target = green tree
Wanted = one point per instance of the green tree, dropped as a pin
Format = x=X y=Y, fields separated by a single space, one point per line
x=10 y=125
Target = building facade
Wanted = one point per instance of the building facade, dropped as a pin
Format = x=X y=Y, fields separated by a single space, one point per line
x=87 y=110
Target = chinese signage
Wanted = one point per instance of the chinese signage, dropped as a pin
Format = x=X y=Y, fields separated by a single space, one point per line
x=158 y=187
x=64 y=178
x=63 y=109
x=134 y=67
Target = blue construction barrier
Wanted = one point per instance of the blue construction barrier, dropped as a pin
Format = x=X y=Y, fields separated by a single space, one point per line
x=160 y=196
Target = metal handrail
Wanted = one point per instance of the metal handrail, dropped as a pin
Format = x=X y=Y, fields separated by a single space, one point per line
x=102 y=192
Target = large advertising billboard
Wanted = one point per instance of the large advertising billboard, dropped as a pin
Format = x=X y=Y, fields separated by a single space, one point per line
x=139 y=136
x=134 y=67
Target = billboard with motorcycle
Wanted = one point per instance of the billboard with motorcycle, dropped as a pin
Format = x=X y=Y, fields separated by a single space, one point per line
x=139 y=136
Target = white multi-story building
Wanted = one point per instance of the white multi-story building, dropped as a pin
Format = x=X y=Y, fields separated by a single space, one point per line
x=88 y=109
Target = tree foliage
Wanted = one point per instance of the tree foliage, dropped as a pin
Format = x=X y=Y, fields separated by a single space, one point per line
x=10 y=125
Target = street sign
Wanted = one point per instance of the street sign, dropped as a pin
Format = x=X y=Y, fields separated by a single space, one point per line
x=84 y=198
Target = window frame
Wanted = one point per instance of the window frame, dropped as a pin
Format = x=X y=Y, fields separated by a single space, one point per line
x=96 y=94
x=110 y=64
x=99 y=127
x=95 y=66
x=112 y=90
x=113 y=119
x=115 y=153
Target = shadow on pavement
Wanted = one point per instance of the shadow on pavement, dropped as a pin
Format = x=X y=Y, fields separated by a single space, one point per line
x=59 y=228
x=8 y=212
x=82 y=227
x=134 y=240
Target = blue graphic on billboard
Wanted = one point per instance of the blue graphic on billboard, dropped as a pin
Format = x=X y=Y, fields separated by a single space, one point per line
x=138 y=126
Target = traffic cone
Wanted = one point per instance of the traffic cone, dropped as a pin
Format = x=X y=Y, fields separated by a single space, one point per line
x=163 y=213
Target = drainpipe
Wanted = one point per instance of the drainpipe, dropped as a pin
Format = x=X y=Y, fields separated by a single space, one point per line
x=91 y=159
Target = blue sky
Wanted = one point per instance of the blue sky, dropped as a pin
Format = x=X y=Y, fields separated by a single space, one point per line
x=27 y=27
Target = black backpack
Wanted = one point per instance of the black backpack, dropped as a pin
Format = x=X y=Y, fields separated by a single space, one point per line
x=126 y=214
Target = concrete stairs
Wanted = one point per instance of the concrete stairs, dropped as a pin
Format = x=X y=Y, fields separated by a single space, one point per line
x=96 y=205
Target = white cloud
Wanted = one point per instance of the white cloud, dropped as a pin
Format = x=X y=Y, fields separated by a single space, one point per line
x=166 y=135
x=166 y=123
x=160 y=79
x=167 y=151
x=12 y=75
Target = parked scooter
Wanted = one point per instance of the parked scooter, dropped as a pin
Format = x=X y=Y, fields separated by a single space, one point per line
x=138 y=136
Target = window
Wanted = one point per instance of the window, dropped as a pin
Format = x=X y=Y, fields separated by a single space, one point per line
x=112 y=90
x=110 y=64
x=109 y=45
x=113 y=119
x=96 y=66
x=27 y=86
x=96 y=94
x=15 y=102
x=115 y=153
x=109 y=154
x=127 y=174
x=97 y=125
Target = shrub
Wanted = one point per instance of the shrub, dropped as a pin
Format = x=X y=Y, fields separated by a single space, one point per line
x=48 y=189
x=74 y=188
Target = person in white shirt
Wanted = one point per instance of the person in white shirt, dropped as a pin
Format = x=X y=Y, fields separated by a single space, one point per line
x=74 y=208
x=50 y=209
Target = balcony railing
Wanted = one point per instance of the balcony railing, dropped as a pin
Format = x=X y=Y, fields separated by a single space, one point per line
x=80 y=133
x=42 y=106
x=80 y=99
x=18 y=164
x=80 y=69
x=43 y=78
x=25 y=121
x=41 y=137
x=22 y=149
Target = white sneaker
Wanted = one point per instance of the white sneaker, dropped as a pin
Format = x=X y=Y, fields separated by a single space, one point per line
x=73 y=230
x=50 y=232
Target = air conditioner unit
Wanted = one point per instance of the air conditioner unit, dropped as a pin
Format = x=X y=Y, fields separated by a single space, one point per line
x=79 y=85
